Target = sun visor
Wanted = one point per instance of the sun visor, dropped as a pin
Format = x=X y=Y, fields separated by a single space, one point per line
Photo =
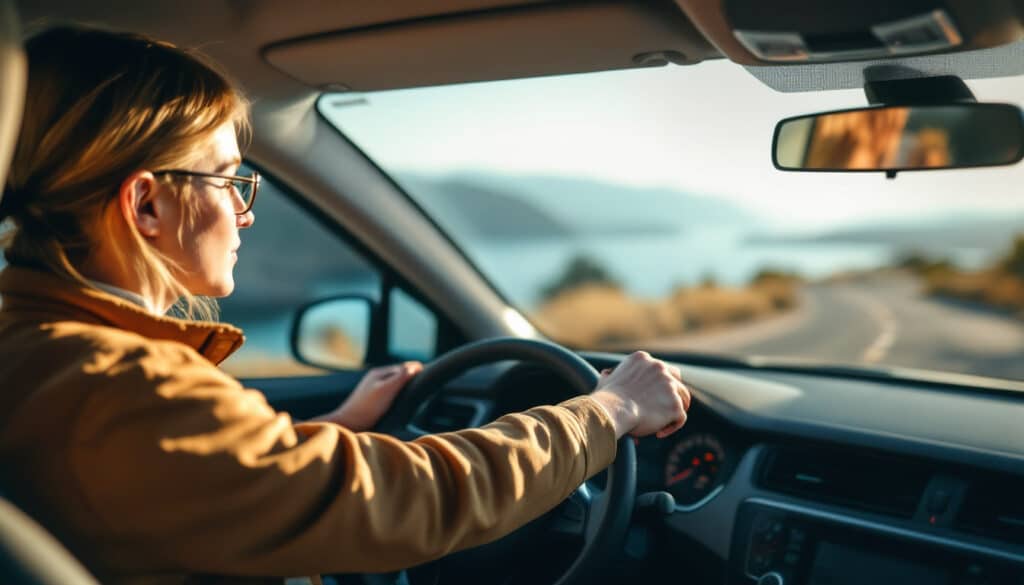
x=500 y=44
x=1004 y=61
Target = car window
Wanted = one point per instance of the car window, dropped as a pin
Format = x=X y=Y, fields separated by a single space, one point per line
x=288 y=259
x=412 y=331
x=640 y=209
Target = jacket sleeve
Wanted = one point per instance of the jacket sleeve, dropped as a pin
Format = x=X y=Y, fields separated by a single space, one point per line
x=176 y=457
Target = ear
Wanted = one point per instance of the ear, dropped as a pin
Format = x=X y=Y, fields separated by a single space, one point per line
x=137 y=203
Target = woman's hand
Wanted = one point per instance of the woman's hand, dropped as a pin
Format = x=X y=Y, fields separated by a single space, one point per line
x=643 y=396
x=373 y=396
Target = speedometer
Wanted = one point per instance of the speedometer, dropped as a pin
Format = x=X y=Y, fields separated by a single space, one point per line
x=694 y=468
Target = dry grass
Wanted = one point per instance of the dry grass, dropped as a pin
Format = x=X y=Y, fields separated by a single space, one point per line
x=597 y=315
x=993 y=287
x=593 y=314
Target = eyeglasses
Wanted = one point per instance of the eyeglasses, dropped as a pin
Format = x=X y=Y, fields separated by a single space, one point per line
x=245 y=187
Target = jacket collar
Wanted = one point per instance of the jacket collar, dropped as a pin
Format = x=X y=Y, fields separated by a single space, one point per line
x=25 y=290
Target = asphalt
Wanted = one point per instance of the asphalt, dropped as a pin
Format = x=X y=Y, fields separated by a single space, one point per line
x=883 y=319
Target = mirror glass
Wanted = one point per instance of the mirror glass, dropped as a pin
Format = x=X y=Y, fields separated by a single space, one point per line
x=334 y=333
x=901 y=138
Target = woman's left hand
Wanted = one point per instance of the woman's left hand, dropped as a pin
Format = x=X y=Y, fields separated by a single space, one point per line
x=373 y=396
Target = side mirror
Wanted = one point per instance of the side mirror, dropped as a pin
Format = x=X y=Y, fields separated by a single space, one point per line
x=901 y=138
x=334 y=333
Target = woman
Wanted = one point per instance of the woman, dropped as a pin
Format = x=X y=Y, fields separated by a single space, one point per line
x=119 y=432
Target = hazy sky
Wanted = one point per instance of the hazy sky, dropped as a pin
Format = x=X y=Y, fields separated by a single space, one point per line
x=704 y=129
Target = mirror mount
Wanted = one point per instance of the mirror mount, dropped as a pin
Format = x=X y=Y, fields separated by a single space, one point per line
x=943 y=89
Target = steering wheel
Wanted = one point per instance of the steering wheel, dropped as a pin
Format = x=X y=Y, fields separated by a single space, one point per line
x=601 y=521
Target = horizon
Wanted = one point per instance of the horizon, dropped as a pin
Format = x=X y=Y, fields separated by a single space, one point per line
x=634 y=127
x=910 y=219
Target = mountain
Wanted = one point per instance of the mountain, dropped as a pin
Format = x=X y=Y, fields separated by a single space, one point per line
x=931 y=235
x=479 y=211
x=511 y=206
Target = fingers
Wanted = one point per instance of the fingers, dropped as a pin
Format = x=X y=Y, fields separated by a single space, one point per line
x=684 y=395
x=658 y=390
x=675 y=372
x=671 y=428
x=396 y=371
x=676 y=424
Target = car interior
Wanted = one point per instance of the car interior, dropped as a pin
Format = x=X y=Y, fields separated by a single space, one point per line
x=788 y=471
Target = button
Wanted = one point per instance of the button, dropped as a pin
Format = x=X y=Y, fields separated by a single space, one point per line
x=797 y=536
x=791 y=558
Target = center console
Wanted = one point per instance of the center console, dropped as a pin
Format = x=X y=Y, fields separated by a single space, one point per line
x=784 y=545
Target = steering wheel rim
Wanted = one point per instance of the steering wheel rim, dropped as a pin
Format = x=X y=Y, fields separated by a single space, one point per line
x=607 y=517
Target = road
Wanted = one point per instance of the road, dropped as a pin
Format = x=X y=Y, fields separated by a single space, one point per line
x=882 y=319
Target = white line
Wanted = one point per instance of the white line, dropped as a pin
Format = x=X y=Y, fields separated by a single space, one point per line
x=887 y=324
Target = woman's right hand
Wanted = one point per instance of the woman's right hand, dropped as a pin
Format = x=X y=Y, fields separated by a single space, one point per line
x=643 y=395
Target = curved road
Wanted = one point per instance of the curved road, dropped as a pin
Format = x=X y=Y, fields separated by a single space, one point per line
x=879 y=319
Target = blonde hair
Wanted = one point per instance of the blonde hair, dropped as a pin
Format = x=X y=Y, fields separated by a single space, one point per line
x=100 y=106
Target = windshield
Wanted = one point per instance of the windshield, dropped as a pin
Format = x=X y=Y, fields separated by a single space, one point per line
x=640 y=209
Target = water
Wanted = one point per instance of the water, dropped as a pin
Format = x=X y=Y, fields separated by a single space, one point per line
x=653 y=266
x=648 y=267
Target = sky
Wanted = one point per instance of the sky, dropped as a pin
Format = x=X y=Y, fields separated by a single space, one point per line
x=703 y=129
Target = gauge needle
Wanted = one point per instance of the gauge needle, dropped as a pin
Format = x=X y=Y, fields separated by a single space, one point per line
x=680 y=476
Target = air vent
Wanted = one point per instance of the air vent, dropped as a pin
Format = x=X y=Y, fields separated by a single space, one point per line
x=449 y=414
x=847 y=478
x=993 y=507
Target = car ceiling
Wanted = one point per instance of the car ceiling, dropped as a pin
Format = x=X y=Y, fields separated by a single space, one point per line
x=281 y=48
x=399 y=43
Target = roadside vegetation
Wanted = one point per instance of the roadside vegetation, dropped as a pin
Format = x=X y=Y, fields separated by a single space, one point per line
x=587 y=307
x=1000 y=286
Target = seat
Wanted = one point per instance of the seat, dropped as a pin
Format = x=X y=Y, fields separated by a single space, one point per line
x=28 y=554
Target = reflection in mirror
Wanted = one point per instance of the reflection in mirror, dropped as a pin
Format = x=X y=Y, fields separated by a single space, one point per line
x=334 y=333
x=902 y=138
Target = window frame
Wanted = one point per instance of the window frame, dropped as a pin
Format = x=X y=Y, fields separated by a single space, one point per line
x=448 y=336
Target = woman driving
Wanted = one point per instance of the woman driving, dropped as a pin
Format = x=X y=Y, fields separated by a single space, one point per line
x=117 y=429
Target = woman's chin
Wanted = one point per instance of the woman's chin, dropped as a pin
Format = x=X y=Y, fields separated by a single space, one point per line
x=217 y=288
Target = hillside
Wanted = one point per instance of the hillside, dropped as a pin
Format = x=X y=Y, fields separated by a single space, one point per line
x=503 y=206
x=937 y=236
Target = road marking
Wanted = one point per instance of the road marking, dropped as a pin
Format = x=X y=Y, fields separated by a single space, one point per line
x=887 y=325
x=883 y=343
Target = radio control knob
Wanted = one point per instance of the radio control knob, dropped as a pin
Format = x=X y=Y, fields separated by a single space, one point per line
x=771 y=578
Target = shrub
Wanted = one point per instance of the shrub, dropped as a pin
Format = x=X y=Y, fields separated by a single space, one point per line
x=1014 y=260
x=582 y=270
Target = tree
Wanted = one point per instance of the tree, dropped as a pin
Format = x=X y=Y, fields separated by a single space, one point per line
x=1014 y=261
x=581 y=270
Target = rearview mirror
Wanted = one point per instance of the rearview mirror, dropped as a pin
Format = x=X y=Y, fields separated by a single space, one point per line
x=901 y=138
x=333 y=333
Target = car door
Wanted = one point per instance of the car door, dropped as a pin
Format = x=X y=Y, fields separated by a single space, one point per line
x=292 y=257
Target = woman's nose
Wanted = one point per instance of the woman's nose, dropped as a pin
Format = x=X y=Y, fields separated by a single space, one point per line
x=246 y=219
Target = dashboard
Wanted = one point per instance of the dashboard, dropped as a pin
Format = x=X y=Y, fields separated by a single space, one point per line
x=792 y=478
x=692 y=465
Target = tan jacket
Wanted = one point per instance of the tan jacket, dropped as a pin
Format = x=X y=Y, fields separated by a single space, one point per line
x=119 y=433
